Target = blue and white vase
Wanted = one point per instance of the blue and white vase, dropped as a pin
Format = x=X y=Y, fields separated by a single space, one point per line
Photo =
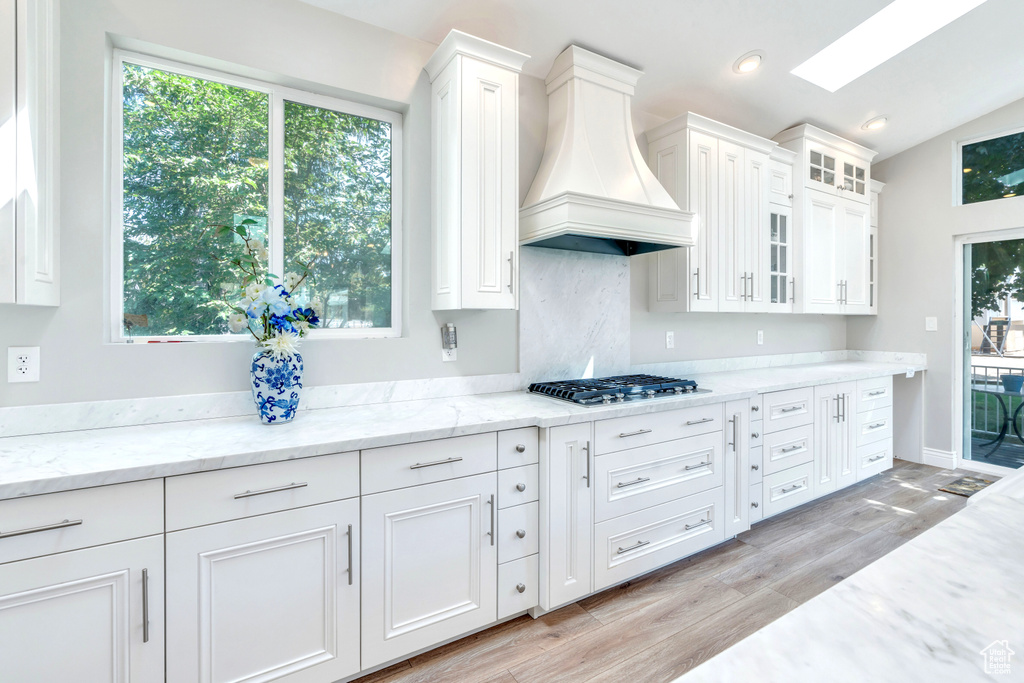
x=276 y=385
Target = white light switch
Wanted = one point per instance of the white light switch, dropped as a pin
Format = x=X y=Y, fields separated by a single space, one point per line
x=931 y=324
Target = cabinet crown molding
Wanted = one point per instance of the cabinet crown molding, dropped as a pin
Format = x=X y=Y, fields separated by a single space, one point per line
x=459 y=43
x=720 y=130
x=877 y=185
x=815 y=134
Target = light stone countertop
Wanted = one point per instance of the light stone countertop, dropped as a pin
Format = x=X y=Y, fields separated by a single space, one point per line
x=924 y=612
x=46 y=463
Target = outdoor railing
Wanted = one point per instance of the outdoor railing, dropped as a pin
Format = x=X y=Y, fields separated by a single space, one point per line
x=985 y=410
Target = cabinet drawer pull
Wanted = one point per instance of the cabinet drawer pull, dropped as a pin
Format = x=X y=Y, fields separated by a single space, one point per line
x=697 y=466
x=289 y=487
x=796 y=487
x=877 y=393
x=754 y=504
x=703 y=522
x=755 y=467
x=876 y=458
x=624 y=484
x=521 y=587
x=350 y=566
x=520 y=448
x=638 y=432
x=145 y=605
x=876 y=425
x=436 y=462
x=755 y=435
x=792 y=448
x=690 y=423
x=521 y=533
x=520 y=487
x=791 y=409
x=638 y=544
x=35 y=530
x=755 y=408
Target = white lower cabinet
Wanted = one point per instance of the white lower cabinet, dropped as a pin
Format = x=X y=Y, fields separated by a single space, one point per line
x=736 y=511
x=89 y=616
x=268 y=598
x=787 y=489
x=835 y=440
x=517 y=586
x=429 y=565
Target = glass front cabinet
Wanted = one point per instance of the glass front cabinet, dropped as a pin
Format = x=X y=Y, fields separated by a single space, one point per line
x=782 y=282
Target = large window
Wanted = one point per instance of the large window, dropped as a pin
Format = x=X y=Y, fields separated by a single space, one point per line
x=314 y=179
x=992 y=168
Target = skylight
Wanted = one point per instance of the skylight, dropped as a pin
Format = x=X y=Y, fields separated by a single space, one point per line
x=880 y=38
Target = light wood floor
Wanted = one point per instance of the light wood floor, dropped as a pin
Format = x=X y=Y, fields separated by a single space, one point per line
x=660 y=626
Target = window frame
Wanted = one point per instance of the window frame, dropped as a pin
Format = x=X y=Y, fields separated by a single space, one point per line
x=958 y=162
x=277 y=94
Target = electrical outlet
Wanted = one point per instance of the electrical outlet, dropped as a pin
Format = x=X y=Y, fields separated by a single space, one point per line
x=931 y=324
x=760 y=337
x=670 y=340
x=449 y=355
x=22 y=363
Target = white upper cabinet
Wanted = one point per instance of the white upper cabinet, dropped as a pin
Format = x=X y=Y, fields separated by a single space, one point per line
x=829 y=163
x=475 y=141
x=726 y=178
x=29 y=238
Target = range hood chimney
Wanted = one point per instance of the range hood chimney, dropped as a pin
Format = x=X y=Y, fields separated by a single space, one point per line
x=593 y=191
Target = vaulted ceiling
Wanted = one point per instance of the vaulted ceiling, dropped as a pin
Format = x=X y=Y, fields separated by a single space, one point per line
x=687 y=48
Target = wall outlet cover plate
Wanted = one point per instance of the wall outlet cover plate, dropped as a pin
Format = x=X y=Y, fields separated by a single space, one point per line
x=22 y=364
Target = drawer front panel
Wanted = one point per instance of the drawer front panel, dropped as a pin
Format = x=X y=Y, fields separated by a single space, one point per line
x=517 y=486
x=518 y=532
x=787 y=489
x=756 y=465
x=55 y=522
x=517 y=447
x=756 y=505
x=874 y=458
x=786 y=449
x=874 y=426
x=787 y=409
x=756 y=433
x=634 y=431
x=757 y=408
x=517 y=586
x=874 y=393
x=222 y=495
x=640 y=478
x=636 y=543
x=395 y=467
x=780 y=183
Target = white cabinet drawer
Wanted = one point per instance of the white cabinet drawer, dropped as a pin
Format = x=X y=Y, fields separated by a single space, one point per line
x=756 y=433
x=788 y=448
x=874 y=426
x=874 y=458
x=55 y=522
x=640 y=430
x=636 y=543
x=518 y=532
x=517 y=447
x=517 y=586
x=756 y=465
x=786 y=489
x=639 y=478
x=757 y=408
x=780 y=183
x=517 y=486
x=787 y=409
x=874 y=393
x=237 y=492
x=756 y=506
x=395 y=467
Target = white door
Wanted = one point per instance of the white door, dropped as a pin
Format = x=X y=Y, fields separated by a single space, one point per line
x=80 y=616
x=781 y=279
x=702 y=195
x=855 y=257
x=490 y=185
x=429 y=565
x=846 y=435
x=733 y=285
x=820 y=243
x=566 y=523
x=757 y=234
x=737 y=468
x=826 y=429
x=267 y=598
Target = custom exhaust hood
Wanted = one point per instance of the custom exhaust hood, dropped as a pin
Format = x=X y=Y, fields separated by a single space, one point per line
x=593 y=191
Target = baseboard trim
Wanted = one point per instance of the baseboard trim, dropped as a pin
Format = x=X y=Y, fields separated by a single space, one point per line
x=937 y=458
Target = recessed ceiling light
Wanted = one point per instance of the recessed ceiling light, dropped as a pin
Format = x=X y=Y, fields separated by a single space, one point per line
x=881 y=37
x=875 y=123
x=748 y=62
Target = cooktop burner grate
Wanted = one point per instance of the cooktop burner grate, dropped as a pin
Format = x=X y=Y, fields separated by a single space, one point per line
x=614 y=389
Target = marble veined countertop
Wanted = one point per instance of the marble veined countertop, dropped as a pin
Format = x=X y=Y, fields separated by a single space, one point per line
x=924 y=612
x=45 y=463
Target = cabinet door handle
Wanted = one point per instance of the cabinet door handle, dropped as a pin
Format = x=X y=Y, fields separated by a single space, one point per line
x=511 y=271
x=521 y=448
x=521 y=587
x=755 y=467
x=792 y=290
x=145 y=605
x=521 y=533
x=586 y=449
x=436 y=462
x=276 y=489
x=638 y=544
x=697 y=466
x=755 y=408
x=836 y=416
x=791 y=409
x=350 y=570
x=491 y=532
x=520 y=487
x=703 y=522
x=843 y=397
x=696 y=288
x=624 y=484
x=48 y=527
x=623 y=435
x=797 y=487
x=754 y=504
x=754 y=435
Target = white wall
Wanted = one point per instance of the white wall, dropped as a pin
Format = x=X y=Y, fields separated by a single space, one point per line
x=293 y=43
x=917 y=226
